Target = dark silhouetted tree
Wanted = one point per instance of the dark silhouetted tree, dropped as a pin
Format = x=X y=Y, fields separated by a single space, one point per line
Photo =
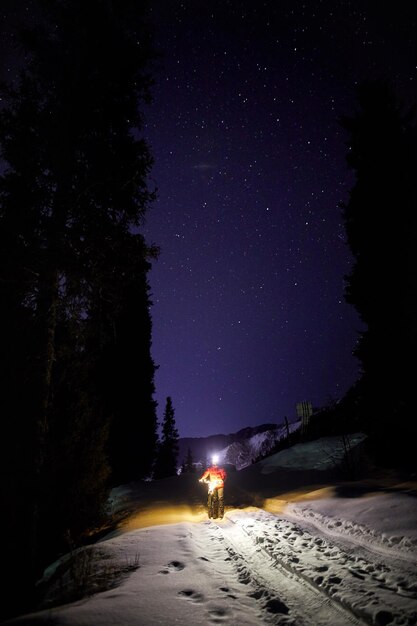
x=380 y=218
x=166 y=462
x=131 y=383
x=75 y=328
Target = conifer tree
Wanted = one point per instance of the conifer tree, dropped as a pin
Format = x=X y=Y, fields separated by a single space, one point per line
x=130 y=371
x=166 y=462
x=73 y=268
x=381 y=227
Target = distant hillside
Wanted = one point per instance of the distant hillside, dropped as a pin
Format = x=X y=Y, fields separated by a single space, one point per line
x=239 y=449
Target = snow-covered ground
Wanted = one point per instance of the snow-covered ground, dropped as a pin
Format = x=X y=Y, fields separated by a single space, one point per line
x=335 y=554
x=244 y=452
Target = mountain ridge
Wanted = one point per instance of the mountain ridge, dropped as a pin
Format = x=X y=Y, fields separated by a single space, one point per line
x=239 y=449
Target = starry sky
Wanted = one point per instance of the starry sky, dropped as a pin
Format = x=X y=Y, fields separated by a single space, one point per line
x=248 y=312
x=249 y=316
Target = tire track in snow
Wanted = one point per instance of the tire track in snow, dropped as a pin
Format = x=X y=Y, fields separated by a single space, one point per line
x=284 y=596
x=373 y=592
x=403 y=548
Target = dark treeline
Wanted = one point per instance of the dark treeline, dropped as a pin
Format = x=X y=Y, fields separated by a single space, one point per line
x=167 y=452
x=381 y=225
x=76 y=372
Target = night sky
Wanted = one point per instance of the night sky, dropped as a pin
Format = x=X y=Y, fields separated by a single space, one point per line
x=249 y=316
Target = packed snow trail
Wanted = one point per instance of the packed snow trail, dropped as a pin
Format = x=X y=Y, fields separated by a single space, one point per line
x=376 y=591
x=283 y=596
x=251 y=568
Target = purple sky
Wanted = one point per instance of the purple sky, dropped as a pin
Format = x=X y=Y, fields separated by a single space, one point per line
x=249 y=316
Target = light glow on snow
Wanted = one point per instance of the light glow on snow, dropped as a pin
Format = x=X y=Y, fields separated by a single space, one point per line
x=335 y=555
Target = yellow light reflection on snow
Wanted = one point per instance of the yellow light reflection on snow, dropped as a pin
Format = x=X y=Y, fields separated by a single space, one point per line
x=279 y=503
x=163 y=514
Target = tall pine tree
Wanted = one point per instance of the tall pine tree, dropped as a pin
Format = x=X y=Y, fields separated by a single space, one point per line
x=381 y=226
x=75 y=331
x=130 y=371
x=166 y=462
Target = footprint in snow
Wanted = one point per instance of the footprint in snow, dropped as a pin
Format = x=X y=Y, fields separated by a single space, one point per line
x=173 y=566
x=383 y=617
x=274 y=605
x=218 y=612
x=321 y=568
x=334 y=580
x=192 y=595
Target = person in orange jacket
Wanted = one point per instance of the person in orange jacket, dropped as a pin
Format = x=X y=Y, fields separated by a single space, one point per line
x=215 y=477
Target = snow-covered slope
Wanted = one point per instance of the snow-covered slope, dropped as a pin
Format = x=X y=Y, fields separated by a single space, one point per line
x=244 y=452
x=320 y=454
x=239 y=449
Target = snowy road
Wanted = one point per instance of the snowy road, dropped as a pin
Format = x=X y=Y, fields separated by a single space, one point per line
x=283 y=593
x=251 y=568
x=338 y=579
